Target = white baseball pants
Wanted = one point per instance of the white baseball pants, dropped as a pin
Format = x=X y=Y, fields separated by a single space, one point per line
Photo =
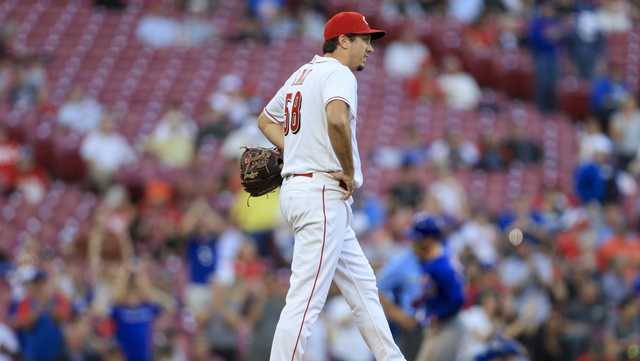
x=326 y=250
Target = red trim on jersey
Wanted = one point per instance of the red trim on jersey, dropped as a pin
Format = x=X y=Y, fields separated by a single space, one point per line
x=338 y=98
x=271 y=116
x=324 y=237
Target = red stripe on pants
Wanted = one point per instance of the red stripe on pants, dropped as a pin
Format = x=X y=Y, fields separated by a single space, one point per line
x=324 y=237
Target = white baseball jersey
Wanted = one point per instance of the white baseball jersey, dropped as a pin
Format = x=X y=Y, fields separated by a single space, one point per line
x=300 y=105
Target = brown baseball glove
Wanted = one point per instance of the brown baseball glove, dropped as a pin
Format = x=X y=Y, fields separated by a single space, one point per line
x=260 y=170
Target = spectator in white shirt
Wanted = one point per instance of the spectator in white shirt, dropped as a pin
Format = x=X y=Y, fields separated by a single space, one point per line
x=460 y=89
x=466 y=11
x=158 y=30
x=173 y=140
x=80 y=112
x=593 y=140
x=625 y=132
x=614 y=16
x=228 y=101
x=453 y=151
x=404 y=57
x=106 y=151
x=447 y=194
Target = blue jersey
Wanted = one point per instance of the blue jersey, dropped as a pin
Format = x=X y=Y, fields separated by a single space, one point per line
x=443 y=289
x=134 y=330
x=202 y=258
x=400 y=280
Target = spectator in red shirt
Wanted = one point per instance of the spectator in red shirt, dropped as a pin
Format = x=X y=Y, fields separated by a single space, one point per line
x=9 y=156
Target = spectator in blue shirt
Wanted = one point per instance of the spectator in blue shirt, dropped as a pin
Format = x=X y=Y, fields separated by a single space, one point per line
x=596 y=181
x=39 y=317
x=137 y=305
x=399 y=285
x=608 y=90
x=443 y=294
x=545 y=33
x=201 y=227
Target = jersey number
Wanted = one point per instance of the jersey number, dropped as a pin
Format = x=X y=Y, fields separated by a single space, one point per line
x=292 y=119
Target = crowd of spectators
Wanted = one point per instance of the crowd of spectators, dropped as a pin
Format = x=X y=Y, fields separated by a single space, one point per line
x=183 y=272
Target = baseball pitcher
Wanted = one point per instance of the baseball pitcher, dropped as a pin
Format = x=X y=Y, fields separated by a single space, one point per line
x=312 y=120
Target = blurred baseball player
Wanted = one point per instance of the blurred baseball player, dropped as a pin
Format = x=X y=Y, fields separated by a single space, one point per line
x=443 y=294
x=312 y=118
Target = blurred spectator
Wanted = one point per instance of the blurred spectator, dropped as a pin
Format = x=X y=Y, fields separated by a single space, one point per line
x=196 y=30
x=228 y=100
x=424 y=85
x=345 y=339
x=601 y=181
x=9 y=345
x=258 y=217
x=39 y=317
x=31 y=180
x=136 y=306
x=396 y=10
x=608 y=91
x=79 y=346
x=491 y=157
x=545 y=33
x=212 y=126
x=7 y=32
x=614 y=16
x=248 y=135
x=623 y=246
x=80 y=112
x=593 y=140
x=199 y=6
x=173 y=139
x=407 y=190
x=460 y=90
x=312 y=20
x=158 y=29
x=624 y=327
x=399 y=285
x=225 y=319
x=106 y=151
x=625 y=132
x=443 y=294
x=404 y=57
x=202 y=226
x=482 y=34
x=281 y=26
x=465 y=11
x=447 y=194
x=25 y=91
x=9 y=158
x=587 y=41
x=7 y=74
x=480 y=236
x=453 y=151
x=479 y=321
x=519 y=147
x=584 y=313
x=526 y=269
x=265 y=313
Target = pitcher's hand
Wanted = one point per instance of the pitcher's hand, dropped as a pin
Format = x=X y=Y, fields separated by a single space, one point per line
x=346 y=182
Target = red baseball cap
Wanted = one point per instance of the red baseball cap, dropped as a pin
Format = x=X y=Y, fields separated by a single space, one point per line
x=349 y=22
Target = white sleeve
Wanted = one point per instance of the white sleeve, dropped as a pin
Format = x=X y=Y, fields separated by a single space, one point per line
x=275 y=108
x=341 y=85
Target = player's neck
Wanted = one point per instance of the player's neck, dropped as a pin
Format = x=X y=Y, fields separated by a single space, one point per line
x=341 y=57
x=434 y=252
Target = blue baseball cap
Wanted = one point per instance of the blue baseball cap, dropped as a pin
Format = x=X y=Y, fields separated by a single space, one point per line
x=426 y=226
